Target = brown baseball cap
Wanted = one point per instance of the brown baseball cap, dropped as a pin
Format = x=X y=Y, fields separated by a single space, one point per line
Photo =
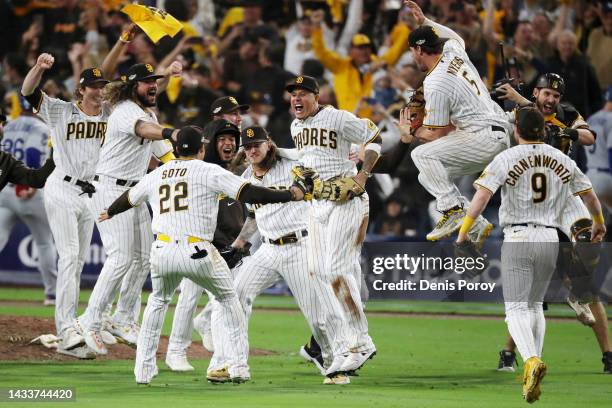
x=189 y=140
x=303 y=82
x=227 y=104
x=253 y=134
x=91 y=76
x=140 y=72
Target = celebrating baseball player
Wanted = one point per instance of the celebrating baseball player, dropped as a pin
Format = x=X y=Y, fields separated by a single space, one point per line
x=463 y=129
x=181 y=192
x=77 y=132
x=323 y=137
x=536 y=180
x=565 y=128
x=26 y=137
x=286 y=252
x=223 y=137
x=133 y=134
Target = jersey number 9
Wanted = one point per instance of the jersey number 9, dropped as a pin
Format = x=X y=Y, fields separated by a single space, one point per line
x=173 y=199
x=538 y=185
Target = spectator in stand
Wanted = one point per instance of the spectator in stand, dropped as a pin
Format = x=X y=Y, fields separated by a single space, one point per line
x=353 y=73
x=240 y=65
x=397 y=220
x=583 y=91
x=600 y=46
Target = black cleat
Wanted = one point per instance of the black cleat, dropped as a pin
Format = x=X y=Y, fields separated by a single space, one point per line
x=507 y=361
x=312 y=355
x=607 y=362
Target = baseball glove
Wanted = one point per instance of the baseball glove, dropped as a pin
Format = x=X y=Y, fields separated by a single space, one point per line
x=416 y=106
x=233 y=256
x=467 y=249
x=304 y=179
x=337 y=189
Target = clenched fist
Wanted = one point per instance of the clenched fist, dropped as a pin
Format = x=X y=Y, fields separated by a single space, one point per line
x=45 y=61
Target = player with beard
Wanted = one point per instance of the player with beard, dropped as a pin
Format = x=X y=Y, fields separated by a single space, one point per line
x=223 y=136
x=132 y=135
x=566 y=129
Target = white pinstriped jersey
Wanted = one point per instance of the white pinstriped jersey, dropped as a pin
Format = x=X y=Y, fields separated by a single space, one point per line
x=184 y=196
x=454 y=93
x=76 y=136
x=26 y=139
x=598 y=154
x=324 y=140
x=277 y=220
x=124 y=155
x=536 y=180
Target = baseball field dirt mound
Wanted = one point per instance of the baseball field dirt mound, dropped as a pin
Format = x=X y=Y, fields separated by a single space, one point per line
x=16 y=332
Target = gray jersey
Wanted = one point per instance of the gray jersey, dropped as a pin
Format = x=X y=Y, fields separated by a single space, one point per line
x=124 y=155
x=76 y=136
x=455 y=94
x=536 y=180
x=277 y=220
x=598 y=156
x=26 y=139
x=324 y=140
x=184 y=197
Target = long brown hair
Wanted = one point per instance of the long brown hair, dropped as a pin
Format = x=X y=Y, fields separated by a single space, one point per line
x=239 y=162
x=118 y=91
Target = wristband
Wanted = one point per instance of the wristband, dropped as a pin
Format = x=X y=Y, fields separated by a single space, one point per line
x=467 y=224
x=125 y=37
x=167 y=133
x=598 y=218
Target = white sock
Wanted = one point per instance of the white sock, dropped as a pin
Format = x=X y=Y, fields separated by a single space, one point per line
x=538 y=326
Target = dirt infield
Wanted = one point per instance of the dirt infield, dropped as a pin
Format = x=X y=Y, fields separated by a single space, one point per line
x=16 y=332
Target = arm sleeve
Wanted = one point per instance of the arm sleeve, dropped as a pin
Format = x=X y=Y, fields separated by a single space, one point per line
x=121 y=204
x=261 y=195
x=20 y=174
x=358 y=131
x=437 y=107
x=492 y=177
x=445 y=32
x=328 y=58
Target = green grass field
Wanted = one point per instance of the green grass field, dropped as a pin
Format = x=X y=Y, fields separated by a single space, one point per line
x=422 y=362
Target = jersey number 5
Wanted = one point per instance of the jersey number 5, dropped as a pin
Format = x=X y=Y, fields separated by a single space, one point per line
x=538 y=185
x=471 y=81
x=179 y=194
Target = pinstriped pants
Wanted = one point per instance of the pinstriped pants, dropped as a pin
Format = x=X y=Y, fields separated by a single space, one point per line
x=457 y=154
x=170 y=263
x=334 y=231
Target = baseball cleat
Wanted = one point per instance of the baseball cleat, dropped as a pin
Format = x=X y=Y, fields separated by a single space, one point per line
x=81 y=352
x=606 y=359
x=480 y=232
x=107 y=338
x=92 y=339
x=316 y=359
x=240 y=374
x=534 y=372
x=507 y=361
x=336 y=365
x=450 y=222
x=203 y=328
x=126 y=334
x=71 y=339
x=219 y=375
x=356 y=360
x=49 y=300
x=178 y=363
x=337 y=379
x=583 y=312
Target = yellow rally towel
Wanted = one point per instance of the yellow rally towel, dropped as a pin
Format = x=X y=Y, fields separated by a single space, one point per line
x=154 y=22
x=173 y=89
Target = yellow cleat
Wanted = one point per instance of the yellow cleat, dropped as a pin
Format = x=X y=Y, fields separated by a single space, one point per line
x=337 y=379
x=220 y=375
x=534 y=372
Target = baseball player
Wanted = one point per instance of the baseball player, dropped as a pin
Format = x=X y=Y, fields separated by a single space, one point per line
x=26 y=138
x=14 y=171
x=286 y=252
x=599 y=155
x=463 y=129
x=565 y=128
x=183 y=195
x=77 y=132
x=323 y=137
x=224 y=133
x=535 y=179
x=132 y=135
